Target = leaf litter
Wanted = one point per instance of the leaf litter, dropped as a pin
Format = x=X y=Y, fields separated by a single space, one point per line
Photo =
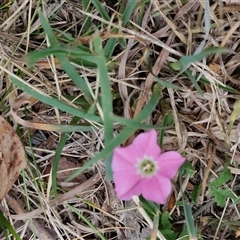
x=166 y=31
x=12 y=157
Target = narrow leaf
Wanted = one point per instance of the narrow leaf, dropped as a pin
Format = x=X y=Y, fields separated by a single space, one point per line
x=54 y=102
x=106 y=99
x=187 y=60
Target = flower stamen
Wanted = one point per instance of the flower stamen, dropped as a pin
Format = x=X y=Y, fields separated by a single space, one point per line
x=147 y=167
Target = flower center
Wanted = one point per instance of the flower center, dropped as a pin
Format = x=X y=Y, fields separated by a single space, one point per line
x=147 y=167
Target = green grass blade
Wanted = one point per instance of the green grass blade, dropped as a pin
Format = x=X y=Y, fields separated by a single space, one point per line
x=135 y=124
x=167 y=84
x=177 y=67
x=106 y=97
x=130 y=6
x=65 y=64
x=121 y=137
x=48 y=30
x=185 y=61
x=188 y=214
x=189 y=220
x=168 y=121
x=33 y=57
x=111 y=43
x=4 y=223
x=109 y=47
x=95 y=230
x=98 y=5
x=207 y=22
x=57 y=157
x=73 y=74
x=193 y=80
x=53 y=101
x=87 y=20
x=163 y=83
x=203 y=79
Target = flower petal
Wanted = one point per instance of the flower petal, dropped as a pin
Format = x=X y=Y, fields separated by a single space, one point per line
x=120 y=161
x=126 y=184
x=125 y=154
x=169 y=163
x=143 y=144
x=156 y=189
x=147 y=143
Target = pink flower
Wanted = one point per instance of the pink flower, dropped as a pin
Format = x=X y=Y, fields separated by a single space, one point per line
x=141 y=168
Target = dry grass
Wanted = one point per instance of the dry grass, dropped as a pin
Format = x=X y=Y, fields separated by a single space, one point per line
x=167 y=29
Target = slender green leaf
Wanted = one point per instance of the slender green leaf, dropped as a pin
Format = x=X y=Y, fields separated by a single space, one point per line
x=98 y=5
x=57 y=157
x=5 y=224
x=189 y=220
x=196 y=85
x=87 y=20
x=177 y=67
x=33 y=57
x=167 y=84
x=188 y=216
x=48 y=30
x=207 y=22
x=109 y=47
x=203 y=79
x=111 y=43
x=94 y=229
x=196 y=193
x=107 y=99
x=168 y=120
x=65 y=64
x=130 y=6
x=54 y=102
x=187 y=60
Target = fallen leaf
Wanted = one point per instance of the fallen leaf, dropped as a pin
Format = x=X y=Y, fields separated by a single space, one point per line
x=237 y=233
x=171 y=202
x=65 y=169
x=215 y=68
x=12 y=157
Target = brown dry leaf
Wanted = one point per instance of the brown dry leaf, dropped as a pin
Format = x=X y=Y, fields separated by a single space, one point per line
x=65 y=169
x=171 y=202
x=215 y=68
x=12 y=157
x=237 y=233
